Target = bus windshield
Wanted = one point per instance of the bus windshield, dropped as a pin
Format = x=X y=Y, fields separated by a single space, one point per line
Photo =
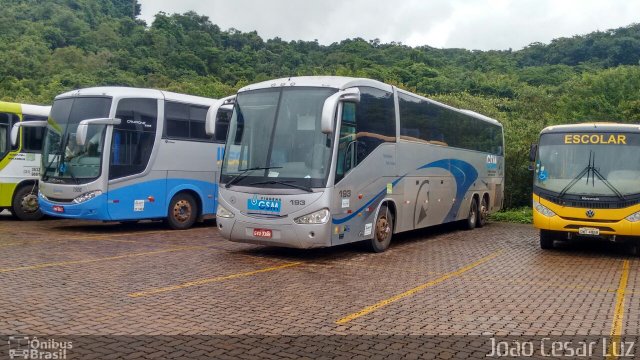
x=275 y=139
x=63 y=159
x=601 y=164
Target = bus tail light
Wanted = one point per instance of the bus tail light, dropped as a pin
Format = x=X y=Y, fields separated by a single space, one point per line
x=222 y=212
x=87 y=196
x=318 y=217
x=543 y=209
x=634 y=217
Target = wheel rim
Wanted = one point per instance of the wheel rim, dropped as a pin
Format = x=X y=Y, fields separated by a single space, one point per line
x=383 y=229
x=29 y=203
x=472 y=215
x=182 y=211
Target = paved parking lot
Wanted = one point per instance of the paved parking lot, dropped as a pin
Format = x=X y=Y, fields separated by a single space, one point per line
x=61 y=277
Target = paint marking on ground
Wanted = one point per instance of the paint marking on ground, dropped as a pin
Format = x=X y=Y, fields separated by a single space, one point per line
x=618 y=313
x=87 y=261
x=445 y=277
x=211 y=280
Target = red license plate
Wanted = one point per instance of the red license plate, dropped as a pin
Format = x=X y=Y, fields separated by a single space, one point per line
x=263 y=233
x=58 y=208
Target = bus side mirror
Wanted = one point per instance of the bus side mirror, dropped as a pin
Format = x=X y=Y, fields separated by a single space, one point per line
x=83 y=128
x=212 y=114
x=331 y=104
x=532 y=152
x=15 y=130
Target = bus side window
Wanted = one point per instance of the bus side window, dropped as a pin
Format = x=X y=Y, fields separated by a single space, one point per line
x=222 y=126
x=346 y=141
x=5 y=126
x=32 y=138
x=133 y=139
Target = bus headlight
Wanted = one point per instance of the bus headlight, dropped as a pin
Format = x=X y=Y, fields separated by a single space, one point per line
x=543 y=209
x=87 y=196
x=222 y=212
x=318 y=217
x=634 y=217
x=42 y=196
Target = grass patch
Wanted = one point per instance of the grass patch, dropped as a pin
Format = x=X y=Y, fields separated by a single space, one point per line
x=521 y=215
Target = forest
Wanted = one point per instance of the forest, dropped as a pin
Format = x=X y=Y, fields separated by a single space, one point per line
x=51 y=46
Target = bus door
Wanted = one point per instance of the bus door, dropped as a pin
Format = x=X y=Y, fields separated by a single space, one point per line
x=134 y=192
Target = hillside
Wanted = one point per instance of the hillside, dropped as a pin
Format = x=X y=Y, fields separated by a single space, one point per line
x=51 y=46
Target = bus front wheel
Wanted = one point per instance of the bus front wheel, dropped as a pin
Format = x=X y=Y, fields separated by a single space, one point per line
x=546 y=239
x=383 y=230
x=183 y=212
x=25 y=204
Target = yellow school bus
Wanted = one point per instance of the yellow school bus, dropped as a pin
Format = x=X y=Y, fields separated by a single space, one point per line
x=587 y=183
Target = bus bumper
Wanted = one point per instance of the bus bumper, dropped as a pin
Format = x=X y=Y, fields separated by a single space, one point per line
x=94 y=209
x=284 y=235
x=609 y=222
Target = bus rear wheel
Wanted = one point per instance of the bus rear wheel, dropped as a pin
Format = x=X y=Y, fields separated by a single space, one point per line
x=483 y=213
x=25 y=204
x=183 y=212
x=383 y=230
x=546 y=239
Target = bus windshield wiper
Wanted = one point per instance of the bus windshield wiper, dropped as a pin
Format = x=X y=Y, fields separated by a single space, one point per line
x=591 y=172
x=241 y=175
x=286 y=183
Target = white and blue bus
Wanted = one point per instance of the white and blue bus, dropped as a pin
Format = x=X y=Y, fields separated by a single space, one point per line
x=324 y=161
x=126 y=154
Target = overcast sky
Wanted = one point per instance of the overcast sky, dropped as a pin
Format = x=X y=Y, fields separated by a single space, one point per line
x=470 y=24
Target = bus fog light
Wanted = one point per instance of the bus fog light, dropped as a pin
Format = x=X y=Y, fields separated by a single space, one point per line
x=222 y=212
x=543 y=209
x=634 y=217
x=318 y=217
x=87 y=196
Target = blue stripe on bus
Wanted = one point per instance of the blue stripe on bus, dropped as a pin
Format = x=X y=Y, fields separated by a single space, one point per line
x=463 y=172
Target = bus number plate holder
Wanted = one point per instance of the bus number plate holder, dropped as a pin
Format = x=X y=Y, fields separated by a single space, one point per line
x=262 y=233
x=588 y=231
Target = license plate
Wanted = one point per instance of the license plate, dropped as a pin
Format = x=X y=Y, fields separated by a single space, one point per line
x=58 y=208
x=588 y=231
x=263 y=233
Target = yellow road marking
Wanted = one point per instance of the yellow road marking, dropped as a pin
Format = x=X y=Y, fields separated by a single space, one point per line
x=86 y=261
x=210 y=280
x=447 y=276
x=618 y=312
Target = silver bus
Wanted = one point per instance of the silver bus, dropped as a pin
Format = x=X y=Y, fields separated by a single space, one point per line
x=127 y=154
x=323 y=161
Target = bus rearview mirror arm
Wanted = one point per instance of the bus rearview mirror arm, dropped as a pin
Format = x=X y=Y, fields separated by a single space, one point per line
x=331 y=104
x=83 y=127
x=15 y=130
x=212 y=114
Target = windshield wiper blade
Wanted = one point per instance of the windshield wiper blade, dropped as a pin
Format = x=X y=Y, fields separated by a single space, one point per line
x=286 y=183
x=240 y=176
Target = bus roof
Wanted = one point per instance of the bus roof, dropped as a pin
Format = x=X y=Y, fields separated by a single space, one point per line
x=336 y=82
x=592 y=127
x=25 y=109
x=122 y=91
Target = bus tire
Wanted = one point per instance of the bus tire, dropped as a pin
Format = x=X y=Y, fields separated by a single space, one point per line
x=472 y=218
x=382 y=230
x=183 y=212
x=483 y=213
x=546 y=239
x=25 y=203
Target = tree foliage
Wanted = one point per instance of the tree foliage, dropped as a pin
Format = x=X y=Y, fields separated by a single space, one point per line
x=51 y=46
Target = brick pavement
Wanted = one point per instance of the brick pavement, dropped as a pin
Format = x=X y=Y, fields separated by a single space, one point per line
x=70 y=278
